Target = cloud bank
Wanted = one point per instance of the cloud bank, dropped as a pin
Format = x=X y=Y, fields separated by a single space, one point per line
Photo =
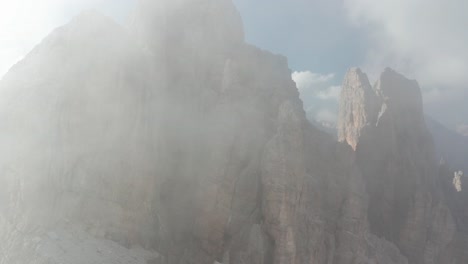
x=424 y=39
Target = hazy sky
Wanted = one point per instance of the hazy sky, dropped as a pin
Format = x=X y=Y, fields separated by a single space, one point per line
x=426 y=40
x=423 y=39
x=24 y=23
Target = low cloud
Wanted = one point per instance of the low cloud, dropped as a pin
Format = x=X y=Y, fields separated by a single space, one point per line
x=319 y=93
x=425 y=40
x=326 y=115
x=308 y=80
x=331 y=93
x=430 y=45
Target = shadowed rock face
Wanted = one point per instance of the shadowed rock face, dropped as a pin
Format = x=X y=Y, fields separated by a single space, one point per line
x=395 y=153
x=397 y=158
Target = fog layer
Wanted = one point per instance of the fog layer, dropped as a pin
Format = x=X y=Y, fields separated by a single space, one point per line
x=171 y=141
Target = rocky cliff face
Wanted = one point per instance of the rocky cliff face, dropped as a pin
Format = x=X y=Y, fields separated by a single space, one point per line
x=359 y=107
x=396 y=155
x=179 y=143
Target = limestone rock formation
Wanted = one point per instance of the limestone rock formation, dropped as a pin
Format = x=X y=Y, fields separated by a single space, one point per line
x=172 y=141
x=395 y=153
x=358 y=106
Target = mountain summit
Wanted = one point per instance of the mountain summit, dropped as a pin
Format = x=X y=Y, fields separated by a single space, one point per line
x=394 y=150
x=358 y=106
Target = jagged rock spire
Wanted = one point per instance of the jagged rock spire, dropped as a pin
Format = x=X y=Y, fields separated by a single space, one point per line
x=357 y=106
x=385 y=125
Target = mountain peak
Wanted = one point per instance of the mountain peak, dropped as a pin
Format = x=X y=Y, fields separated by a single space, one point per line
x=354 y=70
x=357 y=106
x=196 y=21
x=399 y=91
x=356 y=74
x=361 y=104
x=91 y=20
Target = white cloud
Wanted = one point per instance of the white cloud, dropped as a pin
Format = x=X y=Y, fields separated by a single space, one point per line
x=325 y=115
x=331 y=93
x=24 y=23
x=319 y=94
x=306 y=79
x=425 y=39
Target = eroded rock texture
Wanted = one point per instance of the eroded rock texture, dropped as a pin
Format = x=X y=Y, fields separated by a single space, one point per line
x=395 y=153
x=173 y=141
x=359 y=106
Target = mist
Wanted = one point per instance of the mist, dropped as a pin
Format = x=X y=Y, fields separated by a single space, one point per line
x=157 y=132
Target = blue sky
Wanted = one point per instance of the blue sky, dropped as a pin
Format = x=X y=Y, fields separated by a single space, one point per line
x=423 y=39
x=317 y=38
x=315 y=34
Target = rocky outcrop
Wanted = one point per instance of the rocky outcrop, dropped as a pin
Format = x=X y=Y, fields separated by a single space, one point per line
x=396 y=155
x=314 y=202
x=359 y=106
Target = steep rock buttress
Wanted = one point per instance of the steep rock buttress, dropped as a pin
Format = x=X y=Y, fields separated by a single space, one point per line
x=395 y=153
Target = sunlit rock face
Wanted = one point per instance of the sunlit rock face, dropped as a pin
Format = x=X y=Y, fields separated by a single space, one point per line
x=359 y=105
